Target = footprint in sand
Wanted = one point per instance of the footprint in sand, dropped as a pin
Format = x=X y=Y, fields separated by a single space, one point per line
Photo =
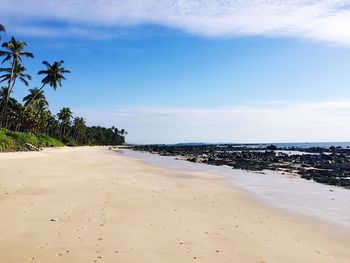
x=43 y=246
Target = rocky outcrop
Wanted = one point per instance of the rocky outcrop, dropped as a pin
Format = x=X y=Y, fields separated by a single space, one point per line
x=328 y=166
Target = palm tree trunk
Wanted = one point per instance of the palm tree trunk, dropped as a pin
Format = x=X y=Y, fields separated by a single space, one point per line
x=36 y=94
x=7 y=100
x=17 y=126
x=61 y=131
x=75 y=134
x=10 y=86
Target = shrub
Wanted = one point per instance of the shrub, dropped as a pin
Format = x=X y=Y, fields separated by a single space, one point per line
x=69 y=141
x=11 y=141
x=47 y=141
x=6 y=142
x=22 y=138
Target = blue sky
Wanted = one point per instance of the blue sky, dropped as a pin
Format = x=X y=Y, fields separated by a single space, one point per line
x=172 y=80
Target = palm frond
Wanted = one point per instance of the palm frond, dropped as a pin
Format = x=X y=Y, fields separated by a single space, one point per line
x=40 y=72
x=5 y=70
x=27 y=54
x=24 y=81
x=46 y=63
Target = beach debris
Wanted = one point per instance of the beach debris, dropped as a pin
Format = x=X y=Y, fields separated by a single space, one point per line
x=54 y=219
x=31 y=147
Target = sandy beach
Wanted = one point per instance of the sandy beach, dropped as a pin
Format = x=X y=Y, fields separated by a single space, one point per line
x=94 y=205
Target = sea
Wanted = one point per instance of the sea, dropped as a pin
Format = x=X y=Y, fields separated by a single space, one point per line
x=304 y=145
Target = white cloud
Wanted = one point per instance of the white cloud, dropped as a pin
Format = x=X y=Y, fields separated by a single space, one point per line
x=322 y=20
x=264 y=122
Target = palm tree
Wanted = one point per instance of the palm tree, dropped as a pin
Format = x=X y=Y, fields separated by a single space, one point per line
x=11 y=75
x=14 y=51
x=64 y=116
x=12 y=104
x=4 y=97
x=36 y=111
x=79 y=125
x=52 y=126
x=35 y=96
x=16 y=72
x=54 y=74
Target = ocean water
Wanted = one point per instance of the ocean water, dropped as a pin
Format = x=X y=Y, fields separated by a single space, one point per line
x=306 y=145
x=329 y=204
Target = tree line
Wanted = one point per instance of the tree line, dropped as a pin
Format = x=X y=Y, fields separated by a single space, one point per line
x=33 y=115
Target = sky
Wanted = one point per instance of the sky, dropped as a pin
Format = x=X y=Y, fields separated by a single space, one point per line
x=193 y=70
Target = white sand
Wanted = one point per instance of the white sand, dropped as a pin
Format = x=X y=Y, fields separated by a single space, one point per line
x=106 y=207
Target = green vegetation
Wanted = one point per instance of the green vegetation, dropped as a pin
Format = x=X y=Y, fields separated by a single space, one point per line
x=32 y=121
x=47 y=141
x=6 y=142
x=10 y=141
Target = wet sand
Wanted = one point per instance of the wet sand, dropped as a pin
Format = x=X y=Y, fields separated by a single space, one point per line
x=286 y=191
x=93 y=205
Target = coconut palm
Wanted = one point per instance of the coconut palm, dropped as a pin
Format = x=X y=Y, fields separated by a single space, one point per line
x=79 y=125
x=10 y=76
x=12 y=105
x=18 y=72
x=52 y=125
x=14 y=51
x=34 y=97
x=64 y=116
x=36 y=110
x=54 y=74
x=5 y=101
x=4 y=93
x=13 y=114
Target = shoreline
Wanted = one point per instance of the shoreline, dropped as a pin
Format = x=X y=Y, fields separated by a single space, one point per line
x=257 y=184
x=329 y=166
x=129 y=211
